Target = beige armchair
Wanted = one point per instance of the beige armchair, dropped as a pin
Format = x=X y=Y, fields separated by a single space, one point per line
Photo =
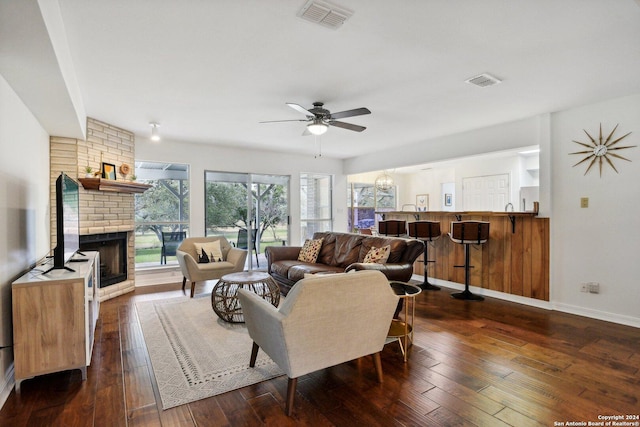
x=233 y=260
x=324 y=321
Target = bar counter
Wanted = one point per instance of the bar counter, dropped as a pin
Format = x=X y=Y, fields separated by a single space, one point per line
x=514 y=260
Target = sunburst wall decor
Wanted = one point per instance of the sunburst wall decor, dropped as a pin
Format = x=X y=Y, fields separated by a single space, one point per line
x=602 y=151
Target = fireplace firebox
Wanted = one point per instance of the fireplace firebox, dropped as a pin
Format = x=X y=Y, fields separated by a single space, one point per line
x=113 y=255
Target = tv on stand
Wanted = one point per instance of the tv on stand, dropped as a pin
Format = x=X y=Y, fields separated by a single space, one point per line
x=67 y=222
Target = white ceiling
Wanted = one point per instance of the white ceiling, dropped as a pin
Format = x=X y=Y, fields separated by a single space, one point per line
x=209 y=71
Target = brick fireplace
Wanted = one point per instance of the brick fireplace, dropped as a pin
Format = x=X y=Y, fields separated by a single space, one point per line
x=113 y=255
x=101 y=212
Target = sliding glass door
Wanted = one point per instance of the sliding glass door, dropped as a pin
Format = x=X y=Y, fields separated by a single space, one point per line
x=250 y=210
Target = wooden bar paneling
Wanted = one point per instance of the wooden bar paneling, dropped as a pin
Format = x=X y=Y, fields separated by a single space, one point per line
x=540 y=271
x=497 y=257
x=515 y=259
x=517 y=255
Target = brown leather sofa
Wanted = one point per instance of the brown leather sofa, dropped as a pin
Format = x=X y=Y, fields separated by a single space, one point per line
x=342 y=252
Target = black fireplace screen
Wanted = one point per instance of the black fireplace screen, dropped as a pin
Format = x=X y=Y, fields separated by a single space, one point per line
x=113 y=255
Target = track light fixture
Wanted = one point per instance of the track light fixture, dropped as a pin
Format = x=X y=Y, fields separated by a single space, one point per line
x=155 y=135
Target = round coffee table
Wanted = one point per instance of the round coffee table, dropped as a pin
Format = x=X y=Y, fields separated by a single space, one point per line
x=224 y=297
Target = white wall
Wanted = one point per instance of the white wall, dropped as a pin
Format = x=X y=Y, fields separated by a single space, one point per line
x=24 y=208
x=599 y=243
x=202 y=157
x=430 y=182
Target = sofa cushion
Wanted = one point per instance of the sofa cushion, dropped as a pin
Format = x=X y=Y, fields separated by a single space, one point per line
x=310 y=250
x=377 y=255
x=212 y=266
x=327 y=251
x=298 y=271
x=339 y=249
x=347 y=250
x=281 y=268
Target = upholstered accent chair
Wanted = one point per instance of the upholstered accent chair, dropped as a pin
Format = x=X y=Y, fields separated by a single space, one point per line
x=232 y=261
x=325 y=320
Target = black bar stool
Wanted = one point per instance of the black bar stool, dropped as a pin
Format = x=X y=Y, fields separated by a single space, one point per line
x=427 y=231
x=392 y=227
x=468 y=233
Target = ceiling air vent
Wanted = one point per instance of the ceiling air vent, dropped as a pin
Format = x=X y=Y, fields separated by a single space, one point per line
x=324 y=14
x=483 y=80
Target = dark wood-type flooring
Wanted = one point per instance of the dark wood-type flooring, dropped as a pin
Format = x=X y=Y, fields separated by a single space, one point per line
x=490 y=363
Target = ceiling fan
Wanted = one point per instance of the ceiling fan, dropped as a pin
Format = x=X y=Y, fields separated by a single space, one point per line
x=319 y=118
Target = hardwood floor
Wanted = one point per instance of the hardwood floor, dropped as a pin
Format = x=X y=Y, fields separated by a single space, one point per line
x=489 y=363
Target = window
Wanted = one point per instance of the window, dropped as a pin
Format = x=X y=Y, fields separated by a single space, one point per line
x=161 y=209
x=364 y=200
x=315 y=204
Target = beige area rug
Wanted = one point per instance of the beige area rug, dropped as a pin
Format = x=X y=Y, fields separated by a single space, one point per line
x=196 y=355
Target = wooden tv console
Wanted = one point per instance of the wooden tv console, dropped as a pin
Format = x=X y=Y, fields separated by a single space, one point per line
x=54 y=318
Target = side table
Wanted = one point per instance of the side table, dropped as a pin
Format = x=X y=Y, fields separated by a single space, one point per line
x=402 y=331
x=224 y=297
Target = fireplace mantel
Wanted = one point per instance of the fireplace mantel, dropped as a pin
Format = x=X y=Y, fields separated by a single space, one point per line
x=113 y=185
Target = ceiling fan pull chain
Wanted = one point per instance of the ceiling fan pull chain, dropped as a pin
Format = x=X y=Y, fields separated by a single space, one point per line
x=318 y=146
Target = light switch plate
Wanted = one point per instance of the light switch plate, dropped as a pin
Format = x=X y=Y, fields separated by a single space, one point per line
x=584 y=202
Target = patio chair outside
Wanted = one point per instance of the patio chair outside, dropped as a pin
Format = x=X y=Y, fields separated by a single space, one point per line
x=170 y=242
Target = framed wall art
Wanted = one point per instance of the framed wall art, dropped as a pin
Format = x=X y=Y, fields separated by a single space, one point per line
x=108 y=170
x=422 y=202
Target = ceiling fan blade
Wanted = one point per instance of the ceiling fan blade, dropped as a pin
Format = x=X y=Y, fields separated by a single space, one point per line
x=306 y=132
x=301 y=109
x=280 y=121
x=350 y=113
x=348 y=126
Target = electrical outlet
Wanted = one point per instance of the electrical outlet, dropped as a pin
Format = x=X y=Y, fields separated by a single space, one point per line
x=584 y=202
x=590 y=287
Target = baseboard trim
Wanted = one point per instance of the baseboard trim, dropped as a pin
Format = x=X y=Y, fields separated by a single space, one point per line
x=597 y=314
x=547 y=305
x=158 y=276
x=488 y=293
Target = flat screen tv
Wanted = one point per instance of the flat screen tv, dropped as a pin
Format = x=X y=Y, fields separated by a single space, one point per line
x=67 y=222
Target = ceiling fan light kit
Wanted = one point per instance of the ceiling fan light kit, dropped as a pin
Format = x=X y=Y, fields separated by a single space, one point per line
x=317 y=127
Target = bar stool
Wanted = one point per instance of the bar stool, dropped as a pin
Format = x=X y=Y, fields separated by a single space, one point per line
x=468 y=233
x=427 y=231
x=392 y=227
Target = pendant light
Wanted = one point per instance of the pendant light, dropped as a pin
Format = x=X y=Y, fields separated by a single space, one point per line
x=384 y=182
